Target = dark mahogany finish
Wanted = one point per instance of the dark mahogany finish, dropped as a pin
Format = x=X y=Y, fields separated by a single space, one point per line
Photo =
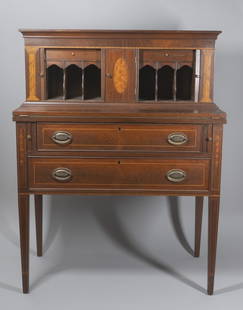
x=119 y=113
x=38 y=222
x=198 y=225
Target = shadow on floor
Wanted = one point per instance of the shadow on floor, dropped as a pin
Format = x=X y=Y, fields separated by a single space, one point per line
x=9 y=287
x=229 y=289
x=174 y=211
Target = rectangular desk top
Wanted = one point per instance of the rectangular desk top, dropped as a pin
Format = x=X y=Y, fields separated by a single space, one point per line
x=144 y=112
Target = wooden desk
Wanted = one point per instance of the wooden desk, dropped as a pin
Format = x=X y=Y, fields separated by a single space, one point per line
x=119 y=113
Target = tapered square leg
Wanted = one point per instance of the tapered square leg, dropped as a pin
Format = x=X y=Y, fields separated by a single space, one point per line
x=213 y=217
x=198 y=225
x=39 y=224
x=23 y=205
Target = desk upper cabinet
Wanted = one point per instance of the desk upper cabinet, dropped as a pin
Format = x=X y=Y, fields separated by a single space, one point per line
x=119 y=113
x=134 y=67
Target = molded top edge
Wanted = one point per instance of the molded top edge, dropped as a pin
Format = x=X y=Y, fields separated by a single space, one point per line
x=108 y=32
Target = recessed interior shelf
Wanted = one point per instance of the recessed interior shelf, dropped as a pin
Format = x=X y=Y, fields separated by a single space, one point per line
x=55 y=82
x=147 y=83
x=92 y=82
x=165 y=83
x=184 y=83
x=73 y=81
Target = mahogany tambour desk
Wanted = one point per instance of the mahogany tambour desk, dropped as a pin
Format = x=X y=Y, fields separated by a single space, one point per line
x=119 y=112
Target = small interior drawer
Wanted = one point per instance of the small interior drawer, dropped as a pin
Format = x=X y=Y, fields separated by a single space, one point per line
x=150 y=56
x=73 y=54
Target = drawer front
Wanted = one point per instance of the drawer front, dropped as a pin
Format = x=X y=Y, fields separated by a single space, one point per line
x=186 y=174
x=148 y=56
x=71 y=137
x=73 y=54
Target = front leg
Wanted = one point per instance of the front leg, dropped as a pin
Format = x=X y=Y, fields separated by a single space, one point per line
x=213 y=217
x=198 y=225
x=23 y=205
x=39 y=223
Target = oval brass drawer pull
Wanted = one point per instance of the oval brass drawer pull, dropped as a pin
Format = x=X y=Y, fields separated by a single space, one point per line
x=176 y=175
x=62 y=137
x=177 y=138
x=62 y=174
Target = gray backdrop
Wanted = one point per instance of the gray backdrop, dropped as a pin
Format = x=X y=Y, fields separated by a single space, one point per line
x=123 y=252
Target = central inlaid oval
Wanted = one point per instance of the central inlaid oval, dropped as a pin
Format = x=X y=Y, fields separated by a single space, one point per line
x=120 y=75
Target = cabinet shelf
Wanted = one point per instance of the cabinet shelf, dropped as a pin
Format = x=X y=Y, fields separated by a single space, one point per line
x=74 y=82
x=166 y=83
x=73 y=74
x=167 y=75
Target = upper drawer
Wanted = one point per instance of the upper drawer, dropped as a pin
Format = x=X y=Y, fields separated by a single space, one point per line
x=148 y=56
x=73 y=54
x=71 y=137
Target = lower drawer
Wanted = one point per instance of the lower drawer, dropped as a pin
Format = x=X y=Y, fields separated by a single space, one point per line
x=142 y=174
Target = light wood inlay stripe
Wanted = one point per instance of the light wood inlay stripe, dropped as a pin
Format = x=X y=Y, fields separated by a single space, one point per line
x=31 y=74
x=207 y=73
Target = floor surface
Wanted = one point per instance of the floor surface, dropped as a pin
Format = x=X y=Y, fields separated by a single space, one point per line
x=115 y=257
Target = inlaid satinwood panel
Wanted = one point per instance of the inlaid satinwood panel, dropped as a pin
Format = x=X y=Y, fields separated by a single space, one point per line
x=66 y=136
x=166 y=174
x=207 y=72
x=32 y=74
x=120 y=75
